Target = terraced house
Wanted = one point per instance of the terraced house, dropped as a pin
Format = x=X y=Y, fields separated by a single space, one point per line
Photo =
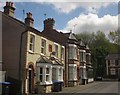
x=31 y=60
x=34 y=60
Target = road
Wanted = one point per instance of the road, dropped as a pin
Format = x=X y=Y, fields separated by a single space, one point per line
x=96 y=87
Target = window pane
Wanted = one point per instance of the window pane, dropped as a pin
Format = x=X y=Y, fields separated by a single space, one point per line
x=50 y=48
x=47 y=71
x=54 y=74
x=41 y=78
x=43 y=46
x=62 y=53
x=41 y=70
x=56 y=50
x=47 y=77
x=32 y=41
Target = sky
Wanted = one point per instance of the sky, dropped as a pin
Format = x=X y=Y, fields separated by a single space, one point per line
x=78 y=15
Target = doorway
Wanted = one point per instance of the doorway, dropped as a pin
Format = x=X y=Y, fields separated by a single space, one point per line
x=30 y=79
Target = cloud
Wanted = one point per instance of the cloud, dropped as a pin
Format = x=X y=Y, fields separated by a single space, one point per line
x=92 y=23
x=1 y=5
x=67 y=7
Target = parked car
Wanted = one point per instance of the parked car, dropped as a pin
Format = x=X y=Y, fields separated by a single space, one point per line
x=99 y=78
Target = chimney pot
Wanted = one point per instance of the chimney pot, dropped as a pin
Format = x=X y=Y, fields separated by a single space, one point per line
x=29 y=19
x=9 y=9
x=49 y=24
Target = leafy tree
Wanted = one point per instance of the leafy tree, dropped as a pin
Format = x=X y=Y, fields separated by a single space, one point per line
x=100 y=47
x=114 y=36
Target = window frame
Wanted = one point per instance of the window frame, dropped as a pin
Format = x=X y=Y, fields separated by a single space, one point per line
x=43 y=47
x=72 y=51
x=62 y=52
x=56 y=49
x=47 y=74
x=112 y=71
x=32 y=48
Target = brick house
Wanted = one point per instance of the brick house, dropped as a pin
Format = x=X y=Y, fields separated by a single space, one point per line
x=33 y=59
x=113 y=65
x=28 y=55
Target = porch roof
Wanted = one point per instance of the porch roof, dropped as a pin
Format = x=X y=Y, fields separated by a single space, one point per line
x=43 y=59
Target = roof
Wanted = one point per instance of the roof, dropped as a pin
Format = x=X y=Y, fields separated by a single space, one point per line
x=32 y=29
x=43 y=59
x=114 y=56
x=56 y=36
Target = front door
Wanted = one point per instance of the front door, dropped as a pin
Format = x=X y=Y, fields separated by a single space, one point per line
x=30 y=79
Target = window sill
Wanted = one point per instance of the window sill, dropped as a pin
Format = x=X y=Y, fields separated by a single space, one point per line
x=31 y=52
x=45 y=83
x=43 y=54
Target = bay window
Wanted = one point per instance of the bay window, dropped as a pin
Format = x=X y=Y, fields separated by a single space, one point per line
x=72 y=51
x=45 y=74
x=88 y=58
x=72 y=72
x=82 y=56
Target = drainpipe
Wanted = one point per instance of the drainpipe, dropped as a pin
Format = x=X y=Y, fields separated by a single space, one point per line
x=20 y=53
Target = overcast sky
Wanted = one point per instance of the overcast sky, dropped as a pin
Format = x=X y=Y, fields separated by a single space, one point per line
x=78 y=16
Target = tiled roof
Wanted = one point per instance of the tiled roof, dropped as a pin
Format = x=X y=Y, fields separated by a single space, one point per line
x=43 y=59
x=114 y=56
x=56 y=36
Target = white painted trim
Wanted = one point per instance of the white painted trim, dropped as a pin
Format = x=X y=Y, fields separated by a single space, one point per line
x=82 y=66
x=43 y=38
x=73 y=65
x=73 y=45
x=56 y=44
x=82 y=50
x=43 y=64
x=63 y=47
x=88 y=53
x=32 y=33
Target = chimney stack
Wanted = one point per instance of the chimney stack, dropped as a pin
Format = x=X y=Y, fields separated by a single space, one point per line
x=9 y=9
x=49 y=24
x=29 y=20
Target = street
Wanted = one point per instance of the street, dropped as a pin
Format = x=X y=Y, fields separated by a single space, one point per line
x=106 y=87
x=96 y=87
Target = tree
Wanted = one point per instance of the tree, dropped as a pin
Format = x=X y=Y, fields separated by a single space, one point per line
x=114 y=36
x=86 y=37
x=100 y=47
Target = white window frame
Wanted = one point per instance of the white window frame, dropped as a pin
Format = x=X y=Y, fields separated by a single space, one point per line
x=43 y=47
x=44 y=66
x=72 y=72
x=56 y=49
x=72 y=51
x=82 y=56
x=59 y=72
x=62 y=52
x=32 y=43
x=112 y=62
x=113 y=71
x=54 y=74
x=41 y=74
x=48 y=74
